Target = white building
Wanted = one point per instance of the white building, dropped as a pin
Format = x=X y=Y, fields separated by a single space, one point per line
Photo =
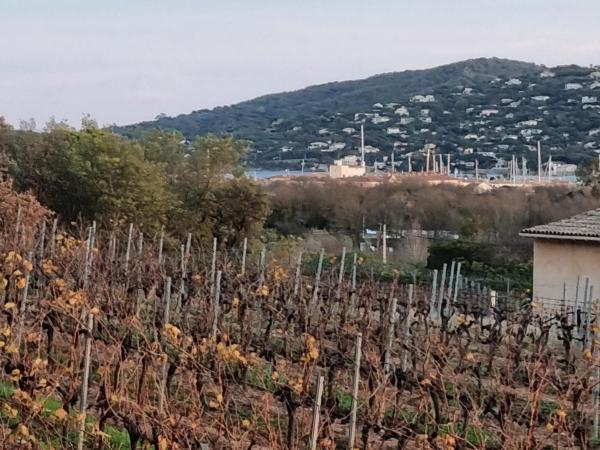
x=547 y=74
x=488 y=112
x=573 y=86
x=317 y=145
x=528 y=123
x=402 y=111
x=380 y=119
x=566 y=256
x=340 y=169
x=423 y=98
x=371 y=149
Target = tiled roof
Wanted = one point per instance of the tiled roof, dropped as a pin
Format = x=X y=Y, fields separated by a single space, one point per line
x=585 y=226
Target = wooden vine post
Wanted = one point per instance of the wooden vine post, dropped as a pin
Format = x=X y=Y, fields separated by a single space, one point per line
x=164 y=368
x=355 y=385
x=216 y=300
x=314 y=432
x=86 y=377
x=213 y=267
x=244 y=251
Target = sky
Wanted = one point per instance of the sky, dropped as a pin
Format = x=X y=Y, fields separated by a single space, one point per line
x=124 y=61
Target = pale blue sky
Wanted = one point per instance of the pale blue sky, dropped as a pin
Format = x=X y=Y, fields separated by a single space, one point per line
x=123 y=61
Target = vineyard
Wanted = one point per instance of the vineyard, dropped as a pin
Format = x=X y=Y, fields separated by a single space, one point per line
x=113 y=339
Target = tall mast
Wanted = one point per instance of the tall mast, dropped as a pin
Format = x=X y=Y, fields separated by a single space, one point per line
x=539 y=162
x=362 y=145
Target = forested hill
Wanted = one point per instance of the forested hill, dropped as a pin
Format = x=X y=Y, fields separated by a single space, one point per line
x=495 y=107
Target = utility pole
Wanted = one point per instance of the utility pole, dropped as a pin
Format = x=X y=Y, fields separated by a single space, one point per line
x=539 y=149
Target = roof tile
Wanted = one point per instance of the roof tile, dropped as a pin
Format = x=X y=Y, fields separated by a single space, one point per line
x=581 y=226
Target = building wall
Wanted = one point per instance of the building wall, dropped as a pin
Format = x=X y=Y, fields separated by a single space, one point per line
x=342 y=171
x=558 y=262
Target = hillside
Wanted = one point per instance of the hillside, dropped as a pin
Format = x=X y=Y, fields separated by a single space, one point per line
x=487 y=106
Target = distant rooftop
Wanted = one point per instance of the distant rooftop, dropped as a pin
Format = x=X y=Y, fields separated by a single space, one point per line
x=582 y=227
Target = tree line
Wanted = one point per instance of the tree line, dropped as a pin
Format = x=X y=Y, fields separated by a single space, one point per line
x=159 y=180
x=491 y=219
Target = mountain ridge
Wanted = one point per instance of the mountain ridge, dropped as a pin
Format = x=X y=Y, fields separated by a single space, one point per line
x=288 y=122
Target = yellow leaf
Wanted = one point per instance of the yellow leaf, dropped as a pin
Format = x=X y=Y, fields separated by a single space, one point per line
x=245 y=424
x=21 y=283
x=10 y=305
x=61 y=414
x=10 y=257
x=12 y=348
x=163 y=444
x=263 y=291
x=9 y=411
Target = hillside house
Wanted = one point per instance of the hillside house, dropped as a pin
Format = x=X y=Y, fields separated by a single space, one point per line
x=402 y=111
x=380 y=119
x=547 y=74
x=514 y=82
x=423 y=98
x=566 y=257
x=573 y=86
